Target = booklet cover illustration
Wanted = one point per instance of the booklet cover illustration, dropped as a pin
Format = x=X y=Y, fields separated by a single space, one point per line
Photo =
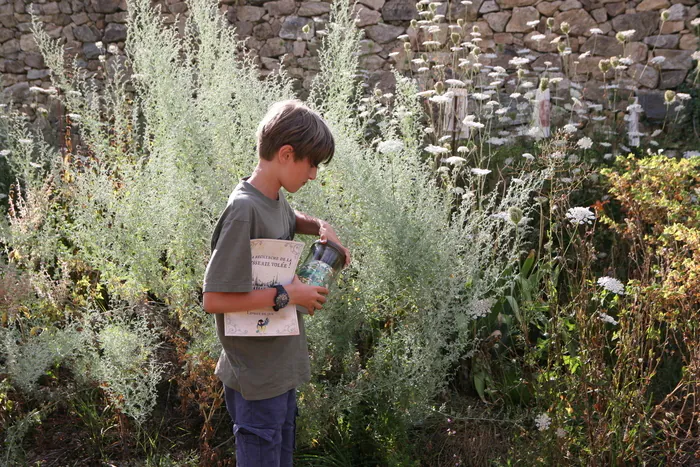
x=274 y=262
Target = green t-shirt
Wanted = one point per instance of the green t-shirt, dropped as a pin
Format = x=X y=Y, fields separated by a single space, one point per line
x=257 y=367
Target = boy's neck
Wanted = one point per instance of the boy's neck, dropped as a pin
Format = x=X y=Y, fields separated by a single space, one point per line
x=265 y=181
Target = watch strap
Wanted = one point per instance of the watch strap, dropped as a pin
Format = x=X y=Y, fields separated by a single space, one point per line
x=281 y=292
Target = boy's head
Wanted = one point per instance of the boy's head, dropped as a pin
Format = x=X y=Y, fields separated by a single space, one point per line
x=291 y=123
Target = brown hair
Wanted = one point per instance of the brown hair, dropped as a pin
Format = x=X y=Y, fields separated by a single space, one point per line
x=291 y=122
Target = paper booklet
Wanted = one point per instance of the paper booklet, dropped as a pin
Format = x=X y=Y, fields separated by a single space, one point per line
x=274 y=262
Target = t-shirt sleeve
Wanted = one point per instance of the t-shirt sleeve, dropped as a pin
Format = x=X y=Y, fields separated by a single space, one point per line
x=229 y=269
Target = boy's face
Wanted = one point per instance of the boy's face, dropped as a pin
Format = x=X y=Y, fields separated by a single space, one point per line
x=297 y=172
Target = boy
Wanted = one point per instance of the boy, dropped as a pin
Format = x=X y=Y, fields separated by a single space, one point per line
x=260 y=374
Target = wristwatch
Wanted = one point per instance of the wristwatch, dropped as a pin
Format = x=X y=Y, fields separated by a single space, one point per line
x=281 y=299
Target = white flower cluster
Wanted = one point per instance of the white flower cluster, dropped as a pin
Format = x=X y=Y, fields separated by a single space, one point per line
x=480 y=308
x=585 y=143
x=454 y=160
x=543 y=421
x=570 y=128
x=480 y=172
x=519 y=61
x=469 y=122
x=390 y=146
x=432 y=149
x=627 y=34
x=612 y=285
x=580 y=215
x=606 y=318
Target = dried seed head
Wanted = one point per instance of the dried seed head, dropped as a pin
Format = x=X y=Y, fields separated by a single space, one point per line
x=439 y=87
x=515 y=214
x=669 y=96
x=565 y=27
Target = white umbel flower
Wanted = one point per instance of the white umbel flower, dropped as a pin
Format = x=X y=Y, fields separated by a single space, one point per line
x=606 y=318
x=390 y=146
x=585 y=143
x=427 y=93
x=580 y=215
x=627 y=34
x=454 y=82
x=543 y=421
x=443 y=99
x=469 y=122
x=612 y=285
x=570 y=128
x=432 y=149
x=480 y=172
x=480 y=308
x=454 y=160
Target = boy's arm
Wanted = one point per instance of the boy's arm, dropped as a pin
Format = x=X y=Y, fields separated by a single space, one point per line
x=310 y=297
x=308 y=225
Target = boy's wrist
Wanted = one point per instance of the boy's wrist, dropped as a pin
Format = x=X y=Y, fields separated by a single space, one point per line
x=292 y=292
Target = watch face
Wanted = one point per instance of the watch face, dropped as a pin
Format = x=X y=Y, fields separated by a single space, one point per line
x=281 y=299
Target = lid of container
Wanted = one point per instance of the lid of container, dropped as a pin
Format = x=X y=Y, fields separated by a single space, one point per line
x=335 y=246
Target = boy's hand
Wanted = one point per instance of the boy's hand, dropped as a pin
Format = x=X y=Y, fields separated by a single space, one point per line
x=326 y=232
x=310 y=297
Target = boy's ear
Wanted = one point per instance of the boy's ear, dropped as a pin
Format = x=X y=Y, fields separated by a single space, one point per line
x=285 y=153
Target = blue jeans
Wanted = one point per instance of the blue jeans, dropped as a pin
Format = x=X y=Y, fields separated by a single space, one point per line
x=264 y=429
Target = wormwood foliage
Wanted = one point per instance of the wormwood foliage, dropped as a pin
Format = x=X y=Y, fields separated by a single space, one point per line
x=124 y=215
x=428 y=249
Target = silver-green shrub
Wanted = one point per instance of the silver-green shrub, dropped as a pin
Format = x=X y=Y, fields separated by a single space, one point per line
x=430 y=247
x=127 y=365
x=164 y=141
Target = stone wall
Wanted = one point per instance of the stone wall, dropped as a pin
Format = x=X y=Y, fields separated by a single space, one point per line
x=277 y=31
